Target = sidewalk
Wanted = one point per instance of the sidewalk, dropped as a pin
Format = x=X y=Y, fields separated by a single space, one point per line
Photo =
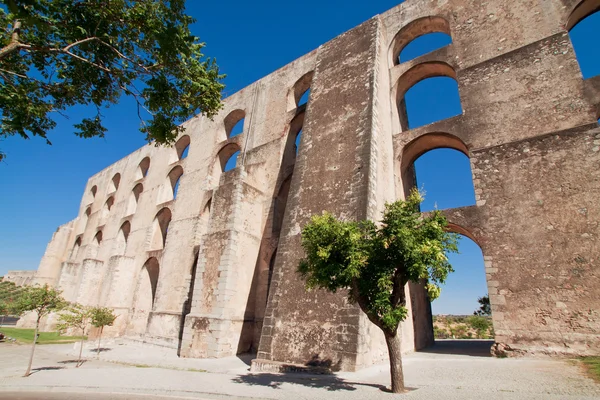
x=446 y=372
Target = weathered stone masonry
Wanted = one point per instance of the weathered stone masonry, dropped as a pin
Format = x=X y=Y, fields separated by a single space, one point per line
x=211 y=272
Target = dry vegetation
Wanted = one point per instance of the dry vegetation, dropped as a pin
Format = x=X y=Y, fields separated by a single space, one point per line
x=462 y=327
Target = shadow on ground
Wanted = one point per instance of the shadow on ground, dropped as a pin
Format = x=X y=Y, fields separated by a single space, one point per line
x=247 y=358
x=101 y=349
x=72 y=362
x=53 y=368
x=473 y=348
x=328 y=382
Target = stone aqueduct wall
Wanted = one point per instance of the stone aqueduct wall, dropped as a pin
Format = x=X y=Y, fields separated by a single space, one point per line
x=528 y=126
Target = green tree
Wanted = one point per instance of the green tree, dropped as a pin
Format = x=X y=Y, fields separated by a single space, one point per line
x=480 y=324
x=77 y=317
x=375 y=262
x=55 y=54
x=41 y=301
x=484 y=306
x=101 y=317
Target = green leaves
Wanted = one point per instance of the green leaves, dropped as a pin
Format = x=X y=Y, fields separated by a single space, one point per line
x=41 y=300
x=375 y=262
x=102 y=316
x=76 y=316
x=91 y=52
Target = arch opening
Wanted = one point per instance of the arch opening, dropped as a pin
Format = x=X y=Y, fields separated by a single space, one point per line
x=134 y=198
x=75 y=249
x=232 y=162
x=94 y=246
x=122 y=237
x=423 y=45
x=234 y=123
x=171 y=186
x=109 y=203
x=439 y=164
x=93 y=192
x=160 y=229
x=143 y=168
x=114 y=183
x=416 y=29
x=584 y=25
x=182 y=147
x=427 y=93
x=145 y=295
x=461 y=312
x=300 y=92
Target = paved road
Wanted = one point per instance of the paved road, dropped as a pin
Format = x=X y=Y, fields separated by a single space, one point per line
x=451 y=370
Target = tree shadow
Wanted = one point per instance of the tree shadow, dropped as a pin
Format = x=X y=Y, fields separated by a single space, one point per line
x=101 y=349
x=72 y=362
x=53 y=368
x=274 y=381
x=463 y=347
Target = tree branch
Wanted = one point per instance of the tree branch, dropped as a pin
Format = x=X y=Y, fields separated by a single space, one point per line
x=14 y=44
x=362 y=303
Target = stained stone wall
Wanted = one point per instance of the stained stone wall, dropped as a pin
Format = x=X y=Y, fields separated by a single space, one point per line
x=211 y=273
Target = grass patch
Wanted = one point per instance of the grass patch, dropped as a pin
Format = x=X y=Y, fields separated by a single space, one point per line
x=26 y=336
x=592 y=367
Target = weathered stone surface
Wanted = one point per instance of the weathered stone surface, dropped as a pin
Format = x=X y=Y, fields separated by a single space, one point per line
x=211 y=272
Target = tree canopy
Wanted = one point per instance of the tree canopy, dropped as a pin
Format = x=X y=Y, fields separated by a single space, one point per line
x=375 y=262
x=55 y=54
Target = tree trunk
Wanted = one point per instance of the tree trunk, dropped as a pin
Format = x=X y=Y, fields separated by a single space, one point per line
x=80 y=351
x=37 y=325
x=394 y=349
x=99 y=338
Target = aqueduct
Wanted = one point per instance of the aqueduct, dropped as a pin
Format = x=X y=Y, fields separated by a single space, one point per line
x=197 y=250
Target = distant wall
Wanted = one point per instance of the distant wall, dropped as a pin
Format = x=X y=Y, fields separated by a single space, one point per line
x=20 y=278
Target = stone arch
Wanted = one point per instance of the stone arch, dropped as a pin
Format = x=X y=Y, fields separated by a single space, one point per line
x=294 y=136
x=223 y=156
x=114 y=183
x=421 y=145
x=92 y=196
x=297 y=91
x=583 y=24
x=160 y=228
x=143 y=168
x=181 y=148
x=470 y=261
x=109 y=203
x=86 y=217
x=144 y=297
x=171 y=185
x=415 y=29
x=106 y=209
x=134 y=198
x=455 y=228
x=583 y=9
x=413 y=76
x=122 y=237
x=279 y=205
x=75 y=249
x=232 y=120
x=94 y=246
x=98 y=238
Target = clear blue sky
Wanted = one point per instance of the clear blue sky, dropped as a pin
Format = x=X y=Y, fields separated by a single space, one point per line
x=42 y=185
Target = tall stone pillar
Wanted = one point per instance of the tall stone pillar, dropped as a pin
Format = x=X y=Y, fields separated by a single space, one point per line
x=338 y=156
x=216 y=325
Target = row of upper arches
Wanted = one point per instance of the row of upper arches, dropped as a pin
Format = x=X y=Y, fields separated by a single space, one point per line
x=226 y=159
x=428 y=92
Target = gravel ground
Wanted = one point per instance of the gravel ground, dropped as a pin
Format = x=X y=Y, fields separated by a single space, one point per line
x=450 y=370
